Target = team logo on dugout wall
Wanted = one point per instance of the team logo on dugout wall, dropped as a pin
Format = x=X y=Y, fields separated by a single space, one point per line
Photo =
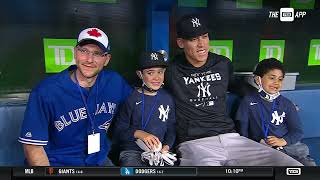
x=58 y=54
x=222 y=47
x=314 y=53
x=249 y=4
x=272 y=48
x=302 y=4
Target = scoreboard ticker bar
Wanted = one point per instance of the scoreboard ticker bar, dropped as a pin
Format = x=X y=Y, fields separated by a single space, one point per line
x=143 y=171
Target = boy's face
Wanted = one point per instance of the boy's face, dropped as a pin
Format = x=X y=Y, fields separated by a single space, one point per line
x=195 y=49
x=153 y=77
x=272 y=81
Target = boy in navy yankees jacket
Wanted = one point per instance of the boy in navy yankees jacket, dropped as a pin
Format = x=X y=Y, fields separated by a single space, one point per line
x=271 y=119
x=148 y=114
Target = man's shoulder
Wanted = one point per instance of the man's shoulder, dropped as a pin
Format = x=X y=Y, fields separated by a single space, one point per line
x=111 y=73
x=52 y=81
x=218 y=58
x=113 y=76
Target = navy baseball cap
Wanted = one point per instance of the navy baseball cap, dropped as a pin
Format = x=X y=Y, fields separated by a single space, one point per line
x=152 y=59
x=191 y=26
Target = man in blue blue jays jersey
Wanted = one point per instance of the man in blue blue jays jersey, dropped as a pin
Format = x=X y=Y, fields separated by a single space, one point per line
x=68 y=114
x=269 y=118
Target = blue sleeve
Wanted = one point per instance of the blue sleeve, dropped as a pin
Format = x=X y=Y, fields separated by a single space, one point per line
x=123 y=123
x=126 y=90
x=242 y=118
x=170 y=135
x=295 y=131
x=34 y=128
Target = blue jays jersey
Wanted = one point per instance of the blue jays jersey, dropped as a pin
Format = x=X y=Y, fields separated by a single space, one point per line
x=56 y=117
x=161 y=123
x=256 y=114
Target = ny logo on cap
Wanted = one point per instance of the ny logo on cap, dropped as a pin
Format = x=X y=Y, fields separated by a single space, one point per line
x=154 y=56
x=195 y=22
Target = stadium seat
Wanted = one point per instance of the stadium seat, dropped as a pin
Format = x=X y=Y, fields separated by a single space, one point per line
x=11 y=116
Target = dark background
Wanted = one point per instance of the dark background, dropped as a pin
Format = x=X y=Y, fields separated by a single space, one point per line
x=24 y=24
x=246 y=27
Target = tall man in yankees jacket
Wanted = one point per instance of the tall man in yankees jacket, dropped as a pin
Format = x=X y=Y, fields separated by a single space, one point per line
x=198 y=81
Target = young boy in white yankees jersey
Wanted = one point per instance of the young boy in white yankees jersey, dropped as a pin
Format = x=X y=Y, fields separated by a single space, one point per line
x=269 y=118
x=148 y=114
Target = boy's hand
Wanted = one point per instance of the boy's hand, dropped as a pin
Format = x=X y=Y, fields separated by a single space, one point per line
x=264 y=142
x=165 y=149
x=149 y=139
x=274 y=141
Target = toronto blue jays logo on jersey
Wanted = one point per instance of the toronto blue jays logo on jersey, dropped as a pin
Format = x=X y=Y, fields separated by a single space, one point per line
x=106 y=125
x=79 y=114
x=276 y=119
x=163 y=113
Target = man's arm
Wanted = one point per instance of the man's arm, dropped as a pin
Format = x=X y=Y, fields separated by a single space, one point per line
x=36 y=156
x=242 y=119
x=238 y=86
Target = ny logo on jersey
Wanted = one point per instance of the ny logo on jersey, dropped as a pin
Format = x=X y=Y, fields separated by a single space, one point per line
x=164 y=113
x=154 y=56
x=204 y=89
x=277 y=118
x=195 y=22
x=106 y=125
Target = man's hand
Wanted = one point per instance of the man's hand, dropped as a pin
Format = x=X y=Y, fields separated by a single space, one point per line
x=274 y=141
x=149 y=139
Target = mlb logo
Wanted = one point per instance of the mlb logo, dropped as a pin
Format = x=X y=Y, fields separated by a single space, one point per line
x=286 y=14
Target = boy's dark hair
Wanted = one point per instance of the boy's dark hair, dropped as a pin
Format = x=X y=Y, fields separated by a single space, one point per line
x=267 y=65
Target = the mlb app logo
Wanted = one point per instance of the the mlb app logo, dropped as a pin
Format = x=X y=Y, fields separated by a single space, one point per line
x=287 y=14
